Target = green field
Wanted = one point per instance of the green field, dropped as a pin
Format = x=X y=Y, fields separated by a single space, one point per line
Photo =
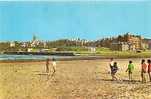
x=121 y=54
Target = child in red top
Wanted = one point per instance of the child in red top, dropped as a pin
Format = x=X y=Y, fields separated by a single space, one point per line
x=143 y=70
x=149 y=69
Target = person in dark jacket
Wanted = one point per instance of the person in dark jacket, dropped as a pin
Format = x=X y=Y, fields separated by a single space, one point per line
x=114 y=70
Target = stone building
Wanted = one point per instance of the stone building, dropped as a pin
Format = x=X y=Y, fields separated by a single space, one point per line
x=128 y=42
x=135 y=41
x=34 y=42
x=147 y=43
x=12 y=44
x=120 y=46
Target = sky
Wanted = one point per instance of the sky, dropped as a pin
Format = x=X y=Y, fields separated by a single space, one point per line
x=90 y=20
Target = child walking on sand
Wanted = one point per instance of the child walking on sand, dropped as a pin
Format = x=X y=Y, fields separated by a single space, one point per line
x=54 y=65
x=149 y=69
x=114 y=69
x=111 y=63
x=143 y=70
x=130 y=70
x=47 y=65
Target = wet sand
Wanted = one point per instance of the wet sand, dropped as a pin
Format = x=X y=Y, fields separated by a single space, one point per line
x=79 y=79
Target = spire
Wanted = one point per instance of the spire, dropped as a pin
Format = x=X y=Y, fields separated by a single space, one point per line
x=34 y=37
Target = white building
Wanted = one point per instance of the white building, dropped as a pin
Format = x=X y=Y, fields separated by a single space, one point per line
x=12 y=44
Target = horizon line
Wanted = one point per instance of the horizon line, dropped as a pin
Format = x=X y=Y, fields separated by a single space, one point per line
x=27 y=40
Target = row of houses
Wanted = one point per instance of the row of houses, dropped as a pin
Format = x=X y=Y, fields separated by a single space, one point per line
x=33 y=43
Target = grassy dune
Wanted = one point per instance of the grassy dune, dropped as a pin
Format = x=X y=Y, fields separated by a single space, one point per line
x=73 y=80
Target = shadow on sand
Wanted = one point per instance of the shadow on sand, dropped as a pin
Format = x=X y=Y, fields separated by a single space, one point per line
x=122 y=81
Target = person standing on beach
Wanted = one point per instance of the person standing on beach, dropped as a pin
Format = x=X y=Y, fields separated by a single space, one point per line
x=111 y=64
x=149 y=69
x=143 y=70
x=111 y=67
x=114 y=69
x=130 y=70
x=53 y=66
x=47 y=65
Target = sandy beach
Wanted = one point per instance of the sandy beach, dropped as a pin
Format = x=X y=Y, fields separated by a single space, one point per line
x=79 y=79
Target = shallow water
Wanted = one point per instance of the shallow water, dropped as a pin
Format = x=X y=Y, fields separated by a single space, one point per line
x=33 y=57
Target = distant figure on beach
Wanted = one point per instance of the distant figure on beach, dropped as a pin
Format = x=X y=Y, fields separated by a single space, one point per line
x=54 y=65
x=143 y=70
x=114 y=69
x=111 y=64
x=149 y=69
x=47 y=65
x=130 y=70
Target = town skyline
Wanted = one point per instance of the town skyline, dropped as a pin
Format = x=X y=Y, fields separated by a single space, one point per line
x=68 y=20
x=76 y=38
x=126 y=42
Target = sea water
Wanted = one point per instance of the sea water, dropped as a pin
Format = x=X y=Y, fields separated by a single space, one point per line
x=29 y=57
